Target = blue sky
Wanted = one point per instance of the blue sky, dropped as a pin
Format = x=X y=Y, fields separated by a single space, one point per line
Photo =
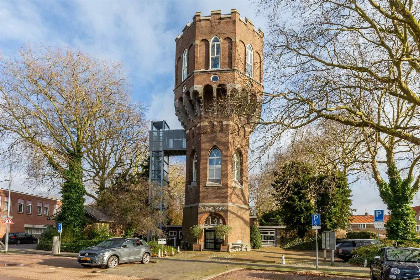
x=141 y=35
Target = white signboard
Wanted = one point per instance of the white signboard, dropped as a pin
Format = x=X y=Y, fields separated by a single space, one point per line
x=379 y=225
x=316 y=227
x=162 y=241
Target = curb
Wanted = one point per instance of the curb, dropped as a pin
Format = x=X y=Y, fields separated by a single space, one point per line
x=221 y=273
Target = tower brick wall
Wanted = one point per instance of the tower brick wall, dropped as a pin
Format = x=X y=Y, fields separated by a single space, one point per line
x=200 y=100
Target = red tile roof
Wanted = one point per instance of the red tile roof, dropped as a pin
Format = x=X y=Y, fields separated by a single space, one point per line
x=368 y=219
x=364 y=219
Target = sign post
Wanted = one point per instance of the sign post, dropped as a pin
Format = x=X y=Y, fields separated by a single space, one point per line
x=379 y=220
x=162 y=241
x=316 y=224
x=60 y=230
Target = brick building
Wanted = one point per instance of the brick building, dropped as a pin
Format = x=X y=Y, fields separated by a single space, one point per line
x=218 y=58
x=30 y=212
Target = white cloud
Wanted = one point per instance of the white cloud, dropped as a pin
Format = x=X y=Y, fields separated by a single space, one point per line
x=20 y=20
x=162 y=108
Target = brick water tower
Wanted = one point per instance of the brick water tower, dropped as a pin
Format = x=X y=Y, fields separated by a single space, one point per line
x=218 y=88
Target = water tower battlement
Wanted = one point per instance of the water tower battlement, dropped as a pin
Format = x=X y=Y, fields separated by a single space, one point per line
x=217 y=94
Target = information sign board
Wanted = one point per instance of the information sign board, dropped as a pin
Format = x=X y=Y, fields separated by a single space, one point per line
x=316 y=219
x=162 y=241
x=379 y=215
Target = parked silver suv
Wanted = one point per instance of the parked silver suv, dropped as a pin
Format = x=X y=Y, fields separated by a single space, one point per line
x=114 y=251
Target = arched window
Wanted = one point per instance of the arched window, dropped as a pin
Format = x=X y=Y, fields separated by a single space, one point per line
x=215 y=166
x=194 y=168
x=249 y=61
x=215 y=53
x=237 y=162
x=184 y=65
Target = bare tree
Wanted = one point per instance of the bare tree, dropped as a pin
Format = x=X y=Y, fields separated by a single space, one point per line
x=63 y=106
x=335 y=58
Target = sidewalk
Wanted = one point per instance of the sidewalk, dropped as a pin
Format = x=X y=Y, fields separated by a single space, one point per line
x=15 y=250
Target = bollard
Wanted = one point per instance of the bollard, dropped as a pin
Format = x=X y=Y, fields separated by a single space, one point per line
x=159 y=255
x=178 y=250
x=172 y=252
x=365 y=264
x=165 y=253
x=283 y=260
x=56 y=245
x=325 y=255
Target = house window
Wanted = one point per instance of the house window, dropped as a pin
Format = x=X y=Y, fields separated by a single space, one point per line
x=28 y=207
x=39 y=209
x=237 y=167
x=215 y=53
x=194 y=168
x=361 y=226
x=417 y=228
x=172 y=234
x=46 y=209
x=249 y=61
x=184 y=64
x=215 y=166
x=20 y=205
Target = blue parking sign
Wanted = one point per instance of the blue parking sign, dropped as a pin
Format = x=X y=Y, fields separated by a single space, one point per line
x=59 y=227
x=316 y=219
x=378 y=215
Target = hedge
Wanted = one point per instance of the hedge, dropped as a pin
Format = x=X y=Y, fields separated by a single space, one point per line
x=369 y=252
x=73 y=247
x=303 y=244
x=154 y=246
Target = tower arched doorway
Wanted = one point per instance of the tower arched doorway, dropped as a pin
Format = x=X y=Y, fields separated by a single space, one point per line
x=210 y=222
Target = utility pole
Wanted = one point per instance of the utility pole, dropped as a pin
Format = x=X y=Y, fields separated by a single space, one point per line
x=9 y=201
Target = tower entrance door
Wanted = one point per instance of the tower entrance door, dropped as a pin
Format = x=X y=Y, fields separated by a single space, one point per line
x=210 y=240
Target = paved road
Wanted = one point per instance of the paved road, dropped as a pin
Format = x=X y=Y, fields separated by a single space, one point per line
x=186 y=266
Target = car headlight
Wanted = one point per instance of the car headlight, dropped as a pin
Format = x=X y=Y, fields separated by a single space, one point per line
x=395 y=270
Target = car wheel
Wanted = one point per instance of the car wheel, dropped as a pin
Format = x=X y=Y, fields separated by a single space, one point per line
x=34 y=241
x=146 y=258
x=17 y=242
x=112 y=262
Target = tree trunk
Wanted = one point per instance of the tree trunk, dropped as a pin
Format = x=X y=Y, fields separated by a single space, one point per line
x=72 y=213
x=398 y=195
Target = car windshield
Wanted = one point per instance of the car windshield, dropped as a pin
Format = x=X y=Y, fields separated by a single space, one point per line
x=111 y=243
x=403 y=255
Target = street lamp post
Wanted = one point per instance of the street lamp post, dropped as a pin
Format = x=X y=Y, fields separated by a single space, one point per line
x=6 y=246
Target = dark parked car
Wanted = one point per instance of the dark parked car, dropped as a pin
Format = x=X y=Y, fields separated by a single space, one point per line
x=396 y=263
x=114 y=251
x=20 y=238
x=346 y=247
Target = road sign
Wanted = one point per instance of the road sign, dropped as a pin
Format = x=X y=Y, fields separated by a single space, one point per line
x=162 y=241
x=378 y=215
x=379 y=225
x=8 y=221
x=59 y=227
x=316 y=220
